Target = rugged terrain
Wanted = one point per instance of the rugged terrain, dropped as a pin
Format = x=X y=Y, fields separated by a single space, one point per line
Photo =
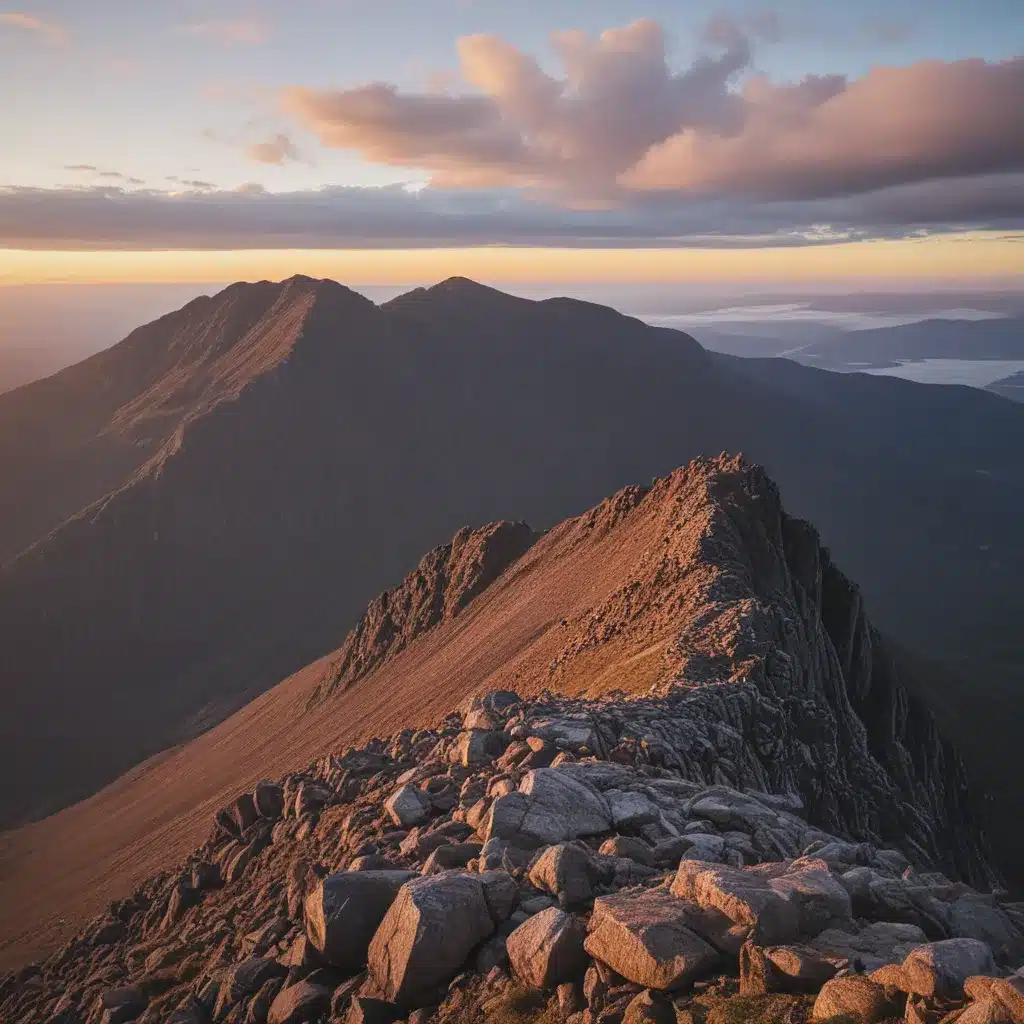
x=211 y=503
x=708 y=634
x=774 y=830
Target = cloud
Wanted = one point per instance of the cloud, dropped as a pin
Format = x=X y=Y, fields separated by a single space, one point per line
x=827 y=136
x=619 y=120
x=192 y=183
x=50 y=31
x=201 y=217
x=276 y=150
x=244 y=32
x=521 y=126
x=99 y=173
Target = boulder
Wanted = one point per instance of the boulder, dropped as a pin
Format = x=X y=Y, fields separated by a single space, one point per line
x=583 y=809
x=649 y=1007
x=794 y=969
x=645 y=937
x=574 y=732
x=631 y=809
x=243 y=980
x=550 y=807
x=702 y=846
x=987 y=1010
x=268 y=798
x=501 y=894
x=628 y=847
x=299 y=1004
x=344 y=911
x=856 y=997
x=426 y=936
x=408 y=806
x=939 y=969
x=876 y=944
x=548 y=949
x=729 y=808
x=978 y=916
x=566 y=872
x=747 y=899
x=120 y=1005
x=451 y=857
x=479 y=746
x=821 y=897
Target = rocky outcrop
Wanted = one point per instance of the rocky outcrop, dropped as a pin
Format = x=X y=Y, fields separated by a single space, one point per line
x=341 y=913
x=444 y=582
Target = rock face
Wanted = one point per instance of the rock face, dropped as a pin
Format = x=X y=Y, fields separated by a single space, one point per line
x=667 y=846
x=444 y=582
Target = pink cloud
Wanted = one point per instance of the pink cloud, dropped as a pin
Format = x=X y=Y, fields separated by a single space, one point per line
x=619 y=119
x=277 y=150
x=50 y=31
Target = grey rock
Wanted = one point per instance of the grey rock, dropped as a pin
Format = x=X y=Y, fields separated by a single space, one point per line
x=408 y=806
x=268 y=798
x=452 y=856
x=633 y=849
x=344 y=911
x=501 y=894
x=747 y=899
x=630 y=810
x=548 y=949
x=566 y=872
x=796 y=969
x=646 y=938
x=939 y=969
x=427 y=935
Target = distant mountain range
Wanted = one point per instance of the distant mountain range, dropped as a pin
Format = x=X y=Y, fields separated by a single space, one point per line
x=209 y=505
x=997 y=339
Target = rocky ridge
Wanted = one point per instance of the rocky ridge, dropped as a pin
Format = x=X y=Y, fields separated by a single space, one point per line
x=444 y=582
x=775 y=831
x=527 y=858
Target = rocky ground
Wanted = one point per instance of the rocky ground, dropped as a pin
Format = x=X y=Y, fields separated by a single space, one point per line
x=531 y=860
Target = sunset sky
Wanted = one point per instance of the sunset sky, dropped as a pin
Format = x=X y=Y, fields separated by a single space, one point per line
x=403 y=140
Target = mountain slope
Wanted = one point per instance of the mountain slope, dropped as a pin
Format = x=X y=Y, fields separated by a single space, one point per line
x=69 y=439
x=302 y=447
x=762 y=667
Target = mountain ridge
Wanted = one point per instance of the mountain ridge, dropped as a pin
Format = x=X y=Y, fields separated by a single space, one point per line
x=742 y=658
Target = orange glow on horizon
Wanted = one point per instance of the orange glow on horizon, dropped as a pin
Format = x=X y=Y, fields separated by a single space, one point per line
x=968 y=256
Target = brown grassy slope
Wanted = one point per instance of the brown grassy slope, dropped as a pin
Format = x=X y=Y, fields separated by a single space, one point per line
x=57 y=872
x=67 y=440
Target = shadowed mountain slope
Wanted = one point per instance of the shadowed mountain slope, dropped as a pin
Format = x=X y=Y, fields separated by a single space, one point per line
x=729 y=646
x=301 y=447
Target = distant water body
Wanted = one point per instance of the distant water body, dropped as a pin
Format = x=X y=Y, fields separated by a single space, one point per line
x=803 y=313
x=975 y=373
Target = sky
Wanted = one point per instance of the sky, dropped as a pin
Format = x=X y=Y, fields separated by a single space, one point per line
x=402 y=140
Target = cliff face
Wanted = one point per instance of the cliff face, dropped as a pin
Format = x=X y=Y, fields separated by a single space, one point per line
x=444 y=582
x=778 y=680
